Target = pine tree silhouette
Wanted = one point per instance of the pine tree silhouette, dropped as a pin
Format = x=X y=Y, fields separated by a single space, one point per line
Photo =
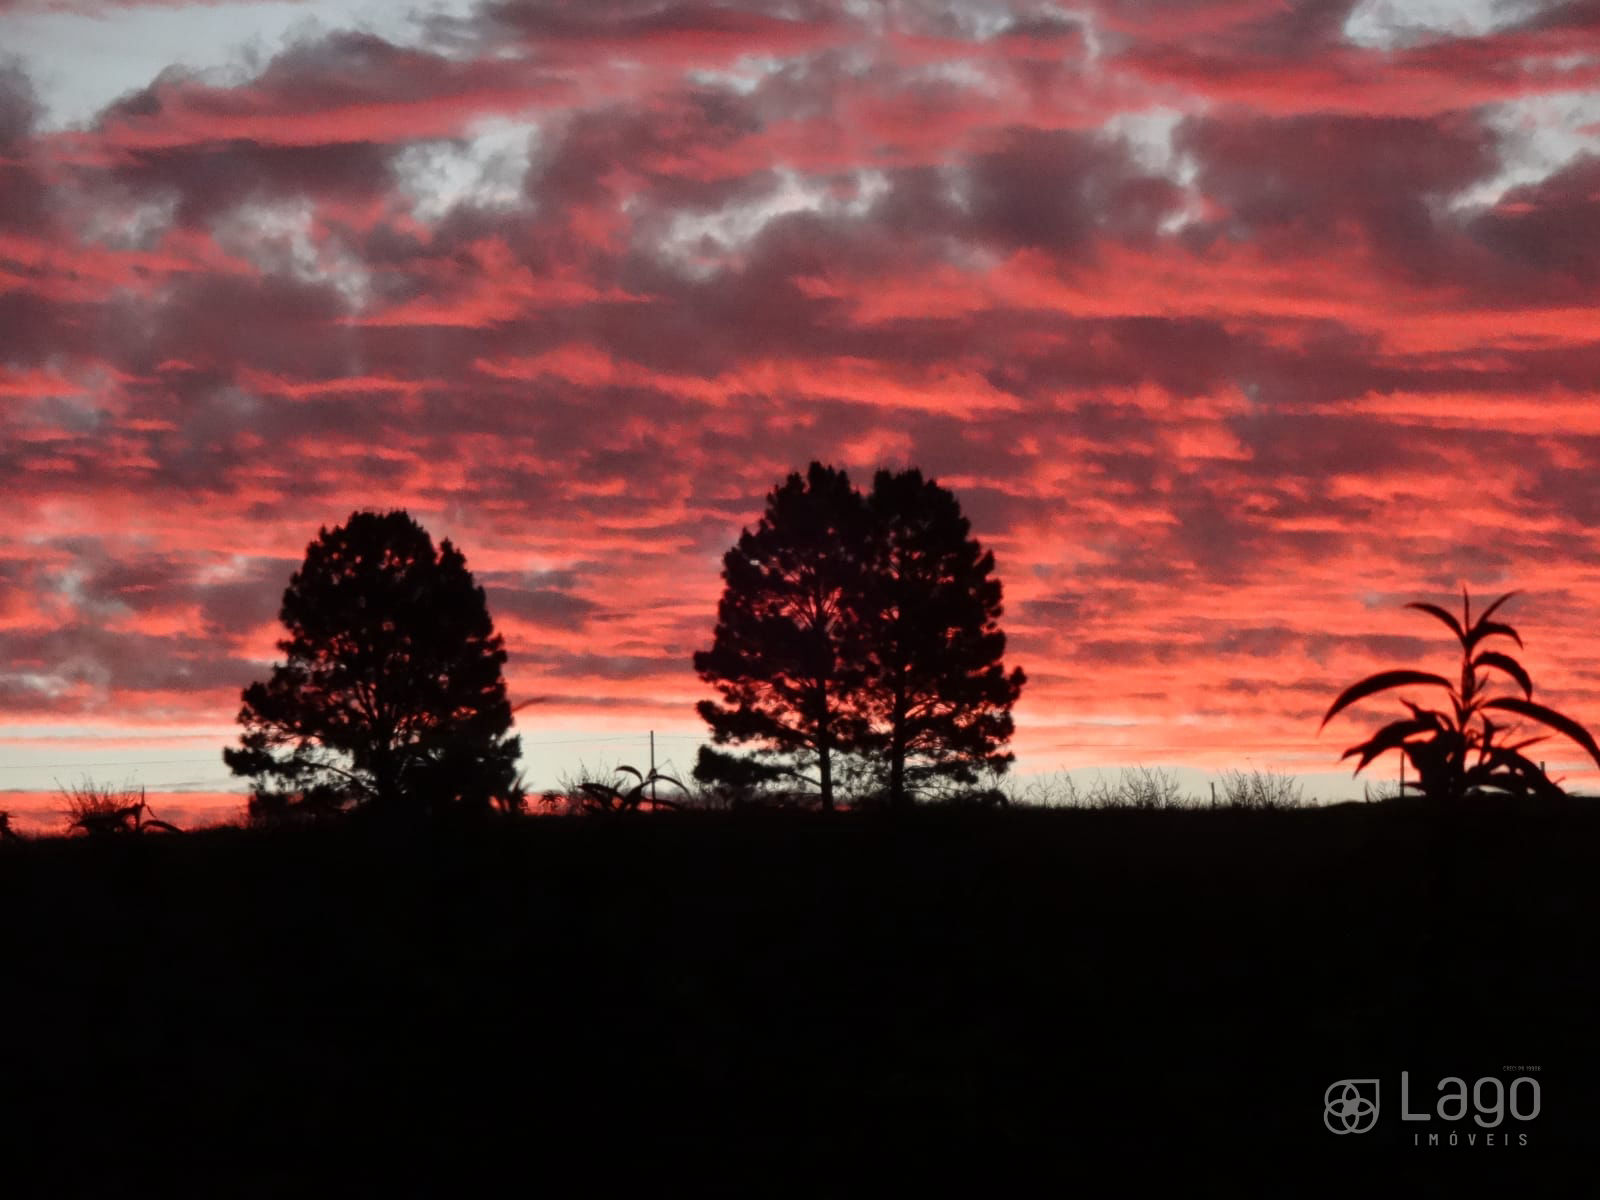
x=861 y=627
x=391 y=694
x=938 y=692
x=786 y=656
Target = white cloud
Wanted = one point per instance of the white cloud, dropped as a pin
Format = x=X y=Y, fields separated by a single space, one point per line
x=699 y=241
x=1386 y=24
x=484 y=170
x=80 y=62
x=1148 y=136
x=1539 y=136
x=281 y=239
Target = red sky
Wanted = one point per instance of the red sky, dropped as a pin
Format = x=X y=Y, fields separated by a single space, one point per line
x=1234 y=326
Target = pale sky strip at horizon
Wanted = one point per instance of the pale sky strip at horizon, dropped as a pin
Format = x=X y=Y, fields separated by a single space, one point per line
x=1234 y=326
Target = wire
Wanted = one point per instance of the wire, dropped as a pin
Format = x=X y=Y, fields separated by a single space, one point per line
x=84 y=766
x=175 y=762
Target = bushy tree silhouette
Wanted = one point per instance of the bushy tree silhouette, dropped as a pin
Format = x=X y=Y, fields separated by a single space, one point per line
x=1454 y=749
x=862 y=627
x=786 y=655
x=938 y=693
x=391 y=694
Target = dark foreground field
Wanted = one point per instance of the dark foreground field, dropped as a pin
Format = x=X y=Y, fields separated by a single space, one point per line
x=698 y=985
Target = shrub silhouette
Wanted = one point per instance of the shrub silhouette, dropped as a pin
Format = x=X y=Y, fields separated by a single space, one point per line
x=1454 y=750
x=1138 y=788
x=1259 y=789
x=99 y=809
x=391 y=695
x=609 y=797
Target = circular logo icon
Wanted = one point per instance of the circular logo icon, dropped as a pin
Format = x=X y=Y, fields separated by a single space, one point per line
x=1350 y=1106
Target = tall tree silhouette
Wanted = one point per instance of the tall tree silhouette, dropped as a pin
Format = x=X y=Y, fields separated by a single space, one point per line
x=861 y=627
x=786 y=656
x=391 y=694
x=939 y=695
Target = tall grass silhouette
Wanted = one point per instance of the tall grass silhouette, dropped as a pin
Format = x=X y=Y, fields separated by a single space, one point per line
x=98 y=809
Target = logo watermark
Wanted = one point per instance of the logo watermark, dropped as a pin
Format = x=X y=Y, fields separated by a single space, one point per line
x=1350 y=1106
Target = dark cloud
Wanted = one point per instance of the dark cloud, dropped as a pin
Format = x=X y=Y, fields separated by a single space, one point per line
x=24 y=204
x=1309 y=180
x=1053 y=189
x=97 y=664
x=687 y=31
x=668 y=148
x=1546 y=229
x=19 y=110
x=553 y=607
x=1563 y=16
x=213 y=179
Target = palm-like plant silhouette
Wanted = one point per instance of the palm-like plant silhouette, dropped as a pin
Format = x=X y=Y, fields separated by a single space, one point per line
x=608 y=797
x=1454 y=750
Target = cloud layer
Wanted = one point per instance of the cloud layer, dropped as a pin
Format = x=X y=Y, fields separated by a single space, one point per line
x=1234 y=326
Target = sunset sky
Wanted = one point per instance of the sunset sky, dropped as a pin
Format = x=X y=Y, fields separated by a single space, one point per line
x=1233 y=325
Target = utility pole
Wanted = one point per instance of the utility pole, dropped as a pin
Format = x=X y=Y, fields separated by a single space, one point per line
x=652 y=770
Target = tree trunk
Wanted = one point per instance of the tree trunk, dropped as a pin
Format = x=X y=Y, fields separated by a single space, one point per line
x=386 y=793
x=824 y=743
x=897 y=749
x=897 y=766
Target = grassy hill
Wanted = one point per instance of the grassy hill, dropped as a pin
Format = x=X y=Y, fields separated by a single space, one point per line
x=794 y=983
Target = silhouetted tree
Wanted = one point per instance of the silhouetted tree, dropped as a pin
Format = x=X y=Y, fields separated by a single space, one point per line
x=391 y=694
x=938 y=693
x=786 y=656
x=852 y=626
